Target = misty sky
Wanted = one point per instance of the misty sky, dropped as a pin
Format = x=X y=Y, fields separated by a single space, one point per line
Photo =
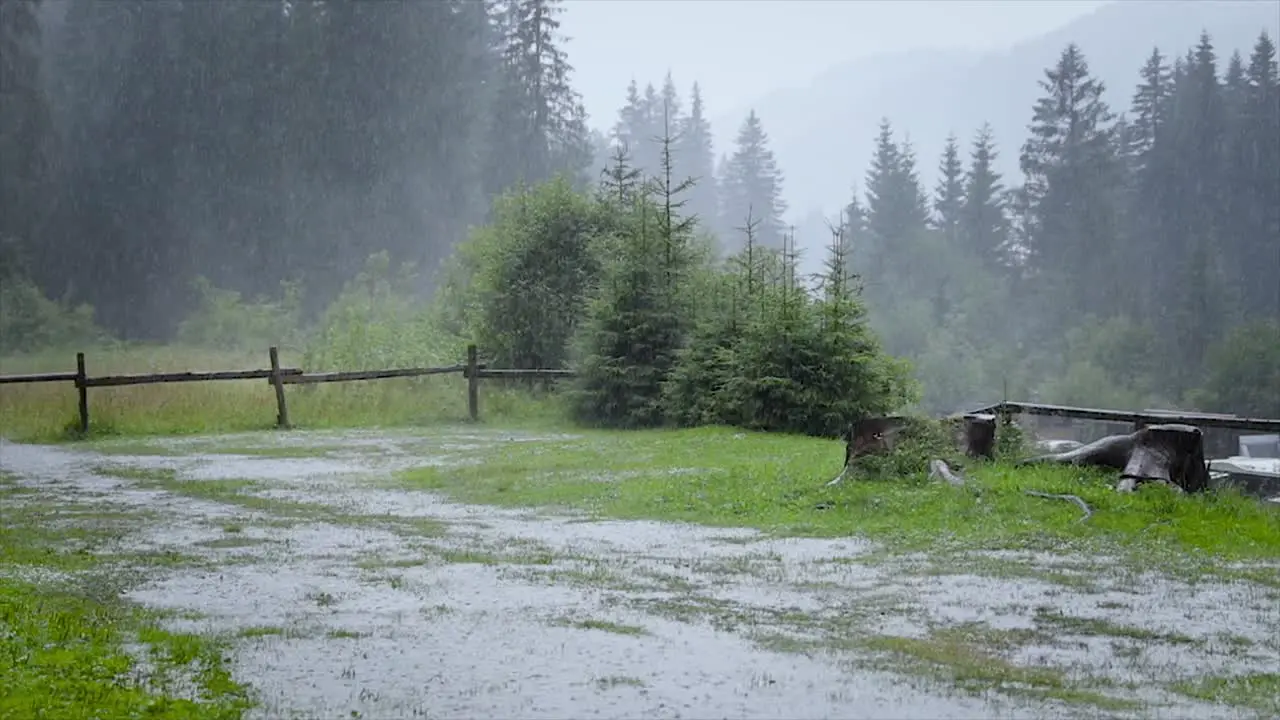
x=741 y=49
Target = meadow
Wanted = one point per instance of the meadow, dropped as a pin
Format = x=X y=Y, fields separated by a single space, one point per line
x=46 y=412
x=67 y=647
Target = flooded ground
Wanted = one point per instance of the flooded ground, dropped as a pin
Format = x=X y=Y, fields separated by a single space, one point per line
x=348 y=596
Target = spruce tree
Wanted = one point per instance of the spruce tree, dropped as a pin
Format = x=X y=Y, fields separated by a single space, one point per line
x=984 y=222
x=1071 y=193
x=695 y=157
x=948 y=197
x=752 y=183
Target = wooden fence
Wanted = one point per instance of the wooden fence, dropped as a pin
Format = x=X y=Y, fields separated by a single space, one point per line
x=278 y=377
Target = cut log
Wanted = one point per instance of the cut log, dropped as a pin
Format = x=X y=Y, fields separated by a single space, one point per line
x=870 y=436
x=1172 y=453
x=980 y=435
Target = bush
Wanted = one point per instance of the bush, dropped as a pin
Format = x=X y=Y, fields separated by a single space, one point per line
x=30 y=322
x=224 y=321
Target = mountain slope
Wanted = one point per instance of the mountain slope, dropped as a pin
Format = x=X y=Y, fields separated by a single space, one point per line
x=823 y=133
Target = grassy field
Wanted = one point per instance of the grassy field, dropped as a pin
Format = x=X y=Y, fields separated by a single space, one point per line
x=719 y=476
x=70 y=649
x=46 y=412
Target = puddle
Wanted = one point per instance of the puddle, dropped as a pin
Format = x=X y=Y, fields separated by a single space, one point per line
x=514 y=613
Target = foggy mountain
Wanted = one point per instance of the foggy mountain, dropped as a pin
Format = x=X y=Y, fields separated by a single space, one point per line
x=822 y=132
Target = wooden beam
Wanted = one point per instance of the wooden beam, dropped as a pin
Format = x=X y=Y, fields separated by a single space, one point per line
x=38 y=378
x=189 y=376
x=348 y=376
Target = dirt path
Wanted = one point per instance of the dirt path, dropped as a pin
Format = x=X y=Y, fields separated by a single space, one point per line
x=350 y=597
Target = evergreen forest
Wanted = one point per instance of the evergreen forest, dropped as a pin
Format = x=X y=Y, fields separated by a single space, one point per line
x=216 y=173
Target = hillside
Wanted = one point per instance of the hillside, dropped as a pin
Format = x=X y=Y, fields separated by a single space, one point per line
x=823 y=131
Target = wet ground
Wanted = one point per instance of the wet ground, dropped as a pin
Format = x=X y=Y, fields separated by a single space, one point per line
x=348 y=596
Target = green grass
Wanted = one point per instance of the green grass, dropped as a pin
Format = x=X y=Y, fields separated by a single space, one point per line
x=63 y=629
x=717 y=476
x=47 y=412
x=1259 y=691
x=62 y=656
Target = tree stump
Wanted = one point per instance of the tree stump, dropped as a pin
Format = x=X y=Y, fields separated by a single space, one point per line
x=870 y=436
x=1172 y=454
x=980 y=435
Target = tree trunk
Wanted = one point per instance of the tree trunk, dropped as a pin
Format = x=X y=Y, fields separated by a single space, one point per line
x=1165 y=453
x=1171 y=453
x=1111 y=452
x=980 y=436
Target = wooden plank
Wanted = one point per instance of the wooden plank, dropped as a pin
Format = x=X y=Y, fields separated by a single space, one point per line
x=37 y=378
x=348 y=376
x=189 y=376
x=530 y=373
x=1123 y=416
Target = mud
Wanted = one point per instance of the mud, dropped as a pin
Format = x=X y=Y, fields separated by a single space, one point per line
x=469 y=611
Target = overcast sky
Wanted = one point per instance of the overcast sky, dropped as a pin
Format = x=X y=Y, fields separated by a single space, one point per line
x=741 y=49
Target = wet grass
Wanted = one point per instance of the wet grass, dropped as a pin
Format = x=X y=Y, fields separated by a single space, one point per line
x=65 y=633
x=46 y=412
x=1258 y=691
x=240 y=493
x=1073 y=625
x=950 y=656
x=601 y=625
x=721 y=477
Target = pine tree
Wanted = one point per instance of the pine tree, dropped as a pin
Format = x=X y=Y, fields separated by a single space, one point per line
x=984 y=222
x=896 y=207
x=752 y=183
x=1150 y=108
x=540 y=125
x=1070 y=193
x=695 y=157
x=25 y=132
x=1258 y=131
x=948 y=198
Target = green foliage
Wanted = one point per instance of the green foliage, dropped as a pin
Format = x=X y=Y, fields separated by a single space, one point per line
x=223 y=320
x=30 y=322
x=920 y=441
x=377 y=322
x=540 y=258
x=1244 y=372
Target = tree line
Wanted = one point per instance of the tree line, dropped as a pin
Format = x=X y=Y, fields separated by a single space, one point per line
x=1136 y=262
x=146 y=143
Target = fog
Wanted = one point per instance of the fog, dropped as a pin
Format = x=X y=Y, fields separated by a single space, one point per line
x=146 y=145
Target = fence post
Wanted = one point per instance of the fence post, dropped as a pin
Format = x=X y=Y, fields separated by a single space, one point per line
x=83 y=391
x=473 y=383
x=282 y=410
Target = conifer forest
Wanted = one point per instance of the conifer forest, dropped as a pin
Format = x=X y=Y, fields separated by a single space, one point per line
x=164 y=162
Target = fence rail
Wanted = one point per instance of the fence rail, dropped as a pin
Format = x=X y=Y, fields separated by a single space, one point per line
x=473 y=370
x=1137 y=419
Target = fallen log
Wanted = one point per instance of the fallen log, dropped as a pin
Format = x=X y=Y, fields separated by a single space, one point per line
x=940 y=470
x=1111 y=452
x=1171 y=453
